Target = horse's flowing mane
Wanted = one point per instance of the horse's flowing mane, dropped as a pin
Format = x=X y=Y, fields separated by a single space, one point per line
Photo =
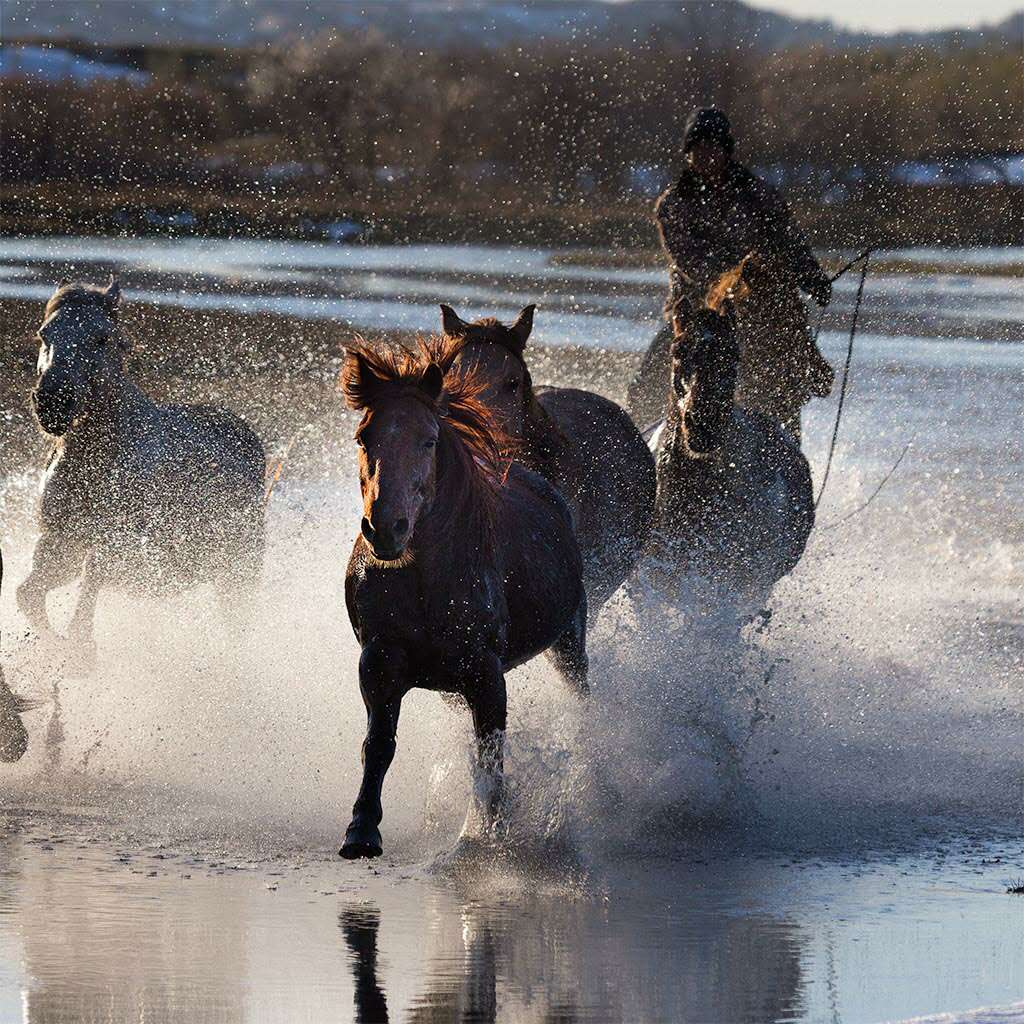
x=372 y=373
x=472 y=456
x=729 y=287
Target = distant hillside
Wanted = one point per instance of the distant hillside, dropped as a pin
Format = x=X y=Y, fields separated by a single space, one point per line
x=438 y=24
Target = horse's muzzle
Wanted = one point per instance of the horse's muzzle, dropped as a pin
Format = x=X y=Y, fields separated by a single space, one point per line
x=55 y=410
x=388 y=544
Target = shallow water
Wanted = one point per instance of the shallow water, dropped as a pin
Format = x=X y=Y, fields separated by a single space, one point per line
x=132 y=932
x=811 y=823
x=401 y=285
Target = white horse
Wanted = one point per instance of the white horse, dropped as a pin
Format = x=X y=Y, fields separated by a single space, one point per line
x=136 y=494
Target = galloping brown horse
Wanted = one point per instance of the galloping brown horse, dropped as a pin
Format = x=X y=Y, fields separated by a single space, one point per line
x=582 y=443
x=465 y=566
x=735 y=504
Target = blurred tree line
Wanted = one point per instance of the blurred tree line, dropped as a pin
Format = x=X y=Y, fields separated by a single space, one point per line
x=361 y=116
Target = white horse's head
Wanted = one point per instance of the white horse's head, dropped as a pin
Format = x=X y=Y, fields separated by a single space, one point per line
x=80 y=344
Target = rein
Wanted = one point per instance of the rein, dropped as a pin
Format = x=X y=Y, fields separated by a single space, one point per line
x=863 y=259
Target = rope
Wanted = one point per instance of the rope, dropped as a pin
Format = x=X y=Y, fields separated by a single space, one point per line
x=835 y=277
x=874 y=494
x=863 y=259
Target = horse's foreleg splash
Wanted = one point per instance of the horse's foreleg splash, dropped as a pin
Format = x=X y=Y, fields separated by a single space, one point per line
x=55 y=562
x=383 y=681
x=489 y=704
x=80 y=630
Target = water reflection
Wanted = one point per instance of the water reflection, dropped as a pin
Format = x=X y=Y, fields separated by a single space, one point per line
x=577 y=959
x=94 y=931
x=359 y=926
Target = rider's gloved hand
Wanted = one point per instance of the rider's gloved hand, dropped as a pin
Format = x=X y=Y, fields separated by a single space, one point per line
x=821 y=290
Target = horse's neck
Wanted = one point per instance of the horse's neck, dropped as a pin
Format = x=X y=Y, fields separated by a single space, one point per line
x=119 y=410
x=542 y=438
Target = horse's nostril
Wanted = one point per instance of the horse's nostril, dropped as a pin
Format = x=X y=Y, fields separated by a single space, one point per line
x=366 y=528
x=401 y=527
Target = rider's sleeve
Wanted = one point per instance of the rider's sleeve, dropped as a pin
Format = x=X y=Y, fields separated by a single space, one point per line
x=685 y=251
x=788 y=240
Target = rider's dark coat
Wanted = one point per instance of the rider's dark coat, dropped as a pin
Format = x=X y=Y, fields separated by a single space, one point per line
x=706 y=230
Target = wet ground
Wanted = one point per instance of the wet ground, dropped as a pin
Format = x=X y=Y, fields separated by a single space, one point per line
x=146 y=931
x=814 y=823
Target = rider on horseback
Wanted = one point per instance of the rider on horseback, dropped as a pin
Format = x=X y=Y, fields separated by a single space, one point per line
x=716 y=213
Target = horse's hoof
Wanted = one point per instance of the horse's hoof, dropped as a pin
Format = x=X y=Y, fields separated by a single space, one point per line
x=361 y=841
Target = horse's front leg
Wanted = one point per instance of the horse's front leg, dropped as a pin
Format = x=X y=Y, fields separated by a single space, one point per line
x=485 y=692
x=56 y=561
x=383 y=681
x=80 y=630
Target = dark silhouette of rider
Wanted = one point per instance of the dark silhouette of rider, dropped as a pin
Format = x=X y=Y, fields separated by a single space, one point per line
x=716 y=213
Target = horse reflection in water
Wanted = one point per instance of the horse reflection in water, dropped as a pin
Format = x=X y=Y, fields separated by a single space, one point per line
x=468 y=995
x=562 y=959
x=465 y=567
x=136 y=493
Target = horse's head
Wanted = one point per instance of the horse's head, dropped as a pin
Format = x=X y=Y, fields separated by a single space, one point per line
x=397 y=440
x=422 y=420
x=493 y=353
x=79 y=343
x=705 y=366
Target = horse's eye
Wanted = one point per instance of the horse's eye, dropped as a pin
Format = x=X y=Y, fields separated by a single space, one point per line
x=429 y=444
x=512 y=384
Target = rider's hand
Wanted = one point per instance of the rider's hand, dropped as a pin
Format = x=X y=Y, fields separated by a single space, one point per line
x=821 y=290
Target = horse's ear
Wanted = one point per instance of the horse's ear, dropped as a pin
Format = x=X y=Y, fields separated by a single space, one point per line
x=451 y=323
x=358 y=381
x=432 y=381
x=112 y=293
x=522 y=327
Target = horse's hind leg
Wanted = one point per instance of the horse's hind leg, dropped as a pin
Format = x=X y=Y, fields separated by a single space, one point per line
x=488 y=701
x=55 y=562
x=383 y=680
x=569 y=652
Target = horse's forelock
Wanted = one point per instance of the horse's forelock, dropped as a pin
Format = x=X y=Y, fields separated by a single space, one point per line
x=373 y=374
x=77 y=294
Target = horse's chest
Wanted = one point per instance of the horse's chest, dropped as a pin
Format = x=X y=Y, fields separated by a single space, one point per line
x=441 y=618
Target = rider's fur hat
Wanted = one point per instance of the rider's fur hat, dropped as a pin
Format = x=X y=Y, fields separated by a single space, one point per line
x=708 y=124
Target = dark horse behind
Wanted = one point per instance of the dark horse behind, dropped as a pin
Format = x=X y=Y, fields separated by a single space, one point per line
x=581 y=442
x=465 y=565
x=735 y=505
